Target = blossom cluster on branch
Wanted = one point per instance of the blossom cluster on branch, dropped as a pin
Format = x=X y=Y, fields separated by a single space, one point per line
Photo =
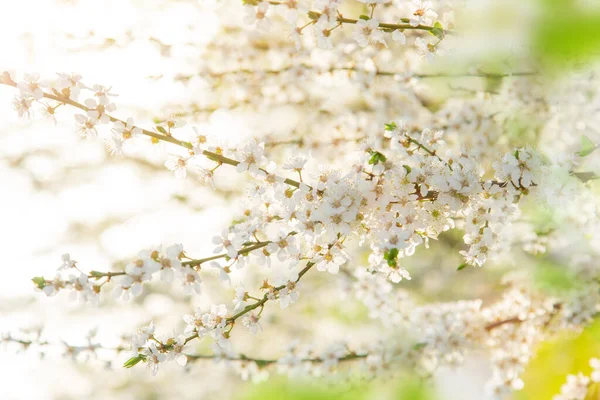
x=402 y=191
x=376 y=199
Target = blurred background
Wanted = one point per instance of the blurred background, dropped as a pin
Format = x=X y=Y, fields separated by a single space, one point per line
x=62 y=194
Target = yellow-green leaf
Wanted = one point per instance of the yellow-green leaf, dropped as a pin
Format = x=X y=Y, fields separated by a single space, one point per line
x=587 y=146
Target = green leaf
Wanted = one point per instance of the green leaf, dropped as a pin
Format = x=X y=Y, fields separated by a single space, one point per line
x=585 y=176
x=39 y=281
x=419 y=346
x=555 y=279
x=161 y=130
x=133 y=361
x=314 y=15
x=391 y=126
x=462 y=266
x=564 y=33
x=407 y=168
x=390 y=256
x=438 y=30
x=261 y=363
x=587 y=146
x=376 y=157
x=365 y=17
x=96 y=274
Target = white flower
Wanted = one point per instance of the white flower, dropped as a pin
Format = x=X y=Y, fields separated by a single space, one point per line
x=82 y=290
x=206 y=177
x=222 y=272
x=142 y=336
x=425 y=49
x=295 y=163
x=48 y=111
x=330 y=261
x=258 y=15
x=103 y=94
x=288 y=295
x=294 y=7
x=216 y=318
x=522 y=168
x=421 y=13
x=153 y=358
x=170 y=123
x=595 y=364
x=251 y=156
x=98 y=111
x=239 y=301
x=332 y=355
x=69 y=85
x=251 y=322
x=399 y=36
x=323 y=33
x=366 y=31
x=396 y=274
x=114 y=145
x=86 y=125
x=22 y=106
x=191 y=281
x=126 y=286
x=284 y=245
x=177 y=165
x=176 y=353
x=67 y=262
x=576 y=388
x=126 y=131
x=31 y=86
x=296 y=38
x=227 y=241
x=53 y=287
x=171 y=262
x=143 y=267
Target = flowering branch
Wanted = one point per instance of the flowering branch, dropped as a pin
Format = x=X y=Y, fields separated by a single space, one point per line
x=314 y=15
x=220 y=159
x=376 y=72
x=392 y=196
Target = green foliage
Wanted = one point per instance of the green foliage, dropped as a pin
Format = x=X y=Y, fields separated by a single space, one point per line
x=461 y=266
x=391 y=126
x=565 y=32
x=376 y=157
x=39 y=281
x=554 y=278
x=133 y=361
x=391 y=257
x=438 y=30
x=419 y=346
x=585 y=176
x=410 y=388
x=587 y=146
x=554 y=360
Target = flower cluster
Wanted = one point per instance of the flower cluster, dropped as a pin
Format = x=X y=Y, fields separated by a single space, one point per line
x=400 y=188
x=577 y=386
x=325 y=17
